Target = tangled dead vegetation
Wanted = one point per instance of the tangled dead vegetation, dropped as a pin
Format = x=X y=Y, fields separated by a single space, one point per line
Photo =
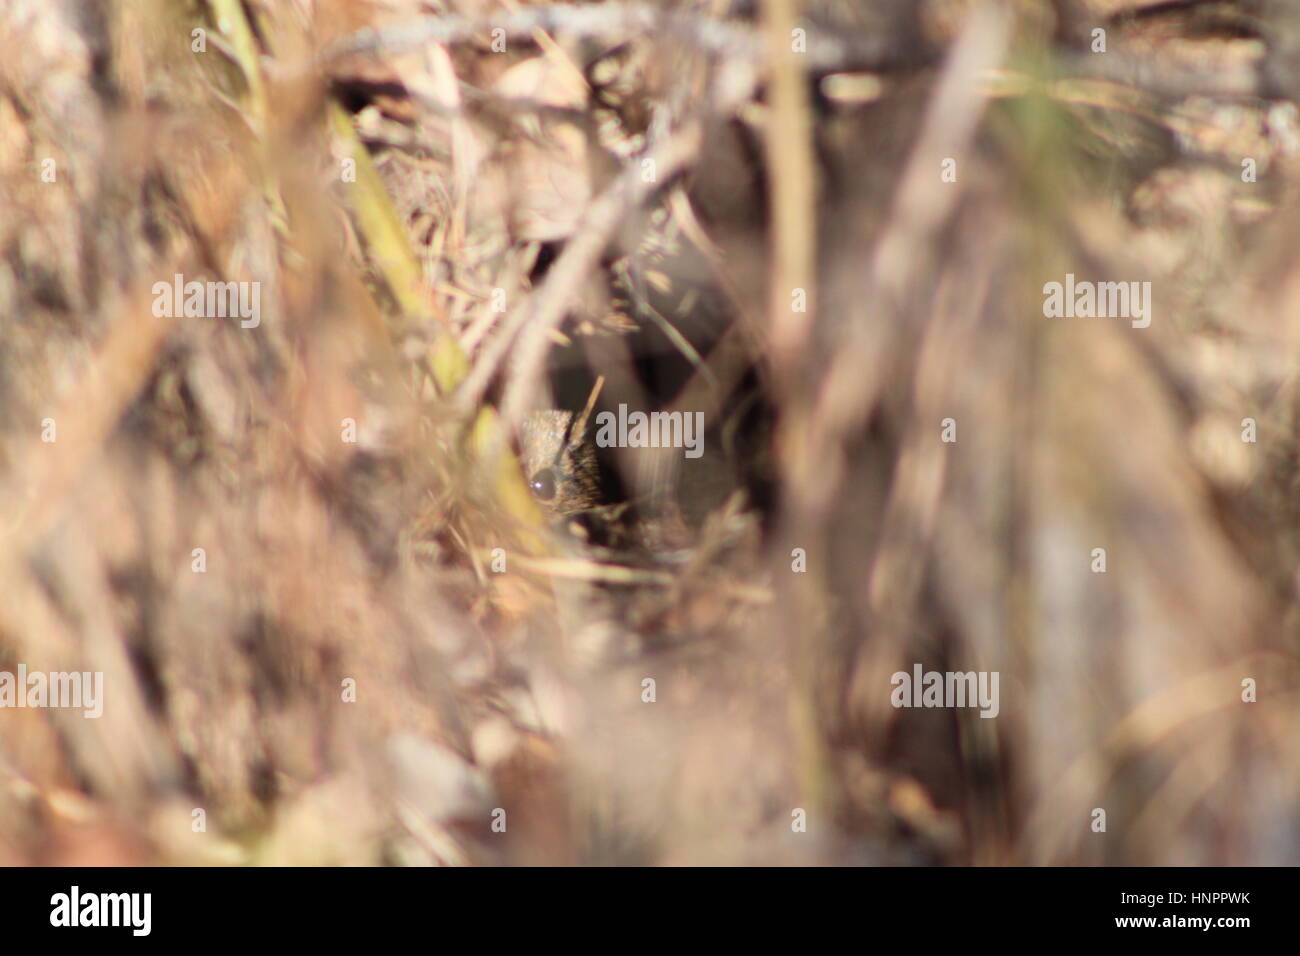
x=333 y=620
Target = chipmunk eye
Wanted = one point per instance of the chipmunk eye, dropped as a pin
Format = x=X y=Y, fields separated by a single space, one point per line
x=543 y=484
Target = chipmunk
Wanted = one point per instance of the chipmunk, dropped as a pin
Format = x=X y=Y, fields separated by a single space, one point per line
x=559 y=462
x=567 y=479
x=641 y=499
x=565 y=473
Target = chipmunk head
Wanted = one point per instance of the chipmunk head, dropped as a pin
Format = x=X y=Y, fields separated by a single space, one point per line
x=559 y=462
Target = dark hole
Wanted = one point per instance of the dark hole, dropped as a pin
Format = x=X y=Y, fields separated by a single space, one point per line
x=547 y=254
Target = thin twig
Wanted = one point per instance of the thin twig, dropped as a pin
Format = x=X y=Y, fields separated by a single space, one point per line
x=792 y=193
